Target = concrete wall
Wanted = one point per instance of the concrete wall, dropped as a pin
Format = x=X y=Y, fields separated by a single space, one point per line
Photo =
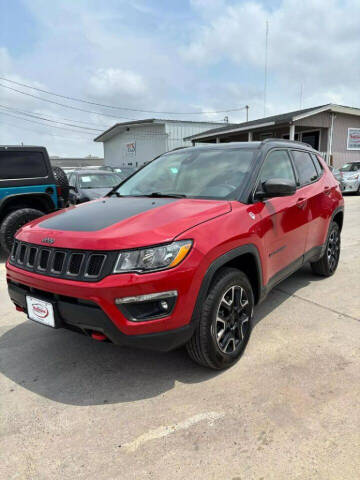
x=76 y=162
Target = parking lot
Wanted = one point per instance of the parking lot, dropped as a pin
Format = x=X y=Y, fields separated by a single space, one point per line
x=71 y=407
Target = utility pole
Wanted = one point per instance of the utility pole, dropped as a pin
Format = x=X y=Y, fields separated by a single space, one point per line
x=247 y=112
x=266 y=63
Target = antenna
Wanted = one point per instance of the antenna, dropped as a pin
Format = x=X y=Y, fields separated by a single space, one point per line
x=266 y=63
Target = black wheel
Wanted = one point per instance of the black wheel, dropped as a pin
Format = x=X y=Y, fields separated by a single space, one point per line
x=62 y=181
x=13 y=222
x=225 y=322
x=328 y=263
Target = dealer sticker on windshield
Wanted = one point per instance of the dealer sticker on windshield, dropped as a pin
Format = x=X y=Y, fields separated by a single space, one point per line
x=40 y=311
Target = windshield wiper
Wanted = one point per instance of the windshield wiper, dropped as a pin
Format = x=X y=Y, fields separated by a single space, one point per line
x=113 y=192
x=160 y=194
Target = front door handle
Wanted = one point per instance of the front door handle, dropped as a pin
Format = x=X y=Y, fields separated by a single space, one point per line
x=301 y=202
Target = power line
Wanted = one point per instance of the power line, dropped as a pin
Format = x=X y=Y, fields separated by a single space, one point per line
x=27 y=112
x=44 y=124
x=116 y=107
x=52 y=121
x=63 y=105
x=42 y=132
x=136 y=135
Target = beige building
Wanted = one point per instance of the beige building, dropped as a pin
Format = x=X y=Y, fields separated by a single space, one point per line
x=332 y=129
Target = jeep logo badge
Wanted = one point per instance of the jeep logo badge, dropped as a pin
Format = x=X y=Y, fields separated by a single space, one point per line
x=48 y=240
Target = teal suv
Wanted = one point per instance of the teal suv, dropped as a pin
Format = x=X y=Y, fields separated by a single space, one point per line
x=29 y=188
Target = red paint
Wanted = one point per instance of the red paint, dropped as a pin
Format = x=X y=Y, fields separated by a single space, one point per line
x=289 y=226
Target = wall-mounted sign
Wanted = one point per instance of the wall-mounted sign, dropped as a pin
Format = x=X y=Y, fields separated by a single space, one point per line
x=353 y=140
x=131 y=149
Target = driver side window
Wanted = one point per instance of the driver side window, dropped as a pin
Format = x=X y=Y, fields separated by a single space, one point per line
x=277 y=165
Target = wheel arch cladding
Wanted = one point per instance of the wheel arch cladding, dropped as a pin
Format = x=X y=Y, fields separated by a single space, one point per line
x=339 y=218
x=40 y=201
x=245 y=258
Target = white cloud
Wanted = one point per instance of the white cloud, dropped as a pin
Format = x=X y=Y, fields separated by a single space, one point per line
x=313 y=42
x=115 y=81
x=206 y=56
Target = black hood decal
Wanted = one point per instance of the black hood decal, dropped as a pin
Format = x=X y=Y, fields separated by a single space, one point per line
x=103 y=213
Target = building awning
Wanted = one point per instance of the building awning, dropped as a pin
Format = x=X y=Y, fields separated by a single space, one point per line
x=274 y=120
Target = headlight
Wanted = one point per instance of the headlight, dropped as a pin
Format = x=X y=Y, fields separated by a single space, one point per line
x=154 y=258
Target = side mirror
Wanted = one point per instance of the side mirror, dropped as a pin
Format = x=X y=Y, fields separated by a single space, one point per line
x=277 y=187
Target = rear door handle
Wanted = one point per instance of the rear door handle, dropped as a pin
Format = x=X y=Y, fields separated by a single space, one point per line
x=301 y=202
x=326 y=190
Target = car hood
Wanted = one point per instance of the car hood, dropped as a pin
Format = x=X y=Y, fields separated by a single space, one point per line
x=94 y=193
x=113 y=223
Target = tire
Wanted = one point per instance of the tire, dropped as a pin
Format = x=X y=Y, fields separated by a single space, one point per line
x=328 y=263
x=13 y=222
x=222 y=333
x=62 y=181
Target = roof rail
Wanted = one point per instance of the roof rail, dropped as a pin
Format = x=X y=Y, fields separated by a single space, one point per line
x=268 y=140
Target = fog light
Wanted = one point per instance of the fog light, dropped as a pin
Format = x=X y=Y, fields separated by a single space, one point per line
x=164 y=305
x=148 y=297
x=147 y=307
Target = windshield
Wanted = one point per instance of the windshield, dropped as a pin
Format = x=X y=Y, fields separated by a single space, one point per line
x=207 y=173
x=95 y=180
x=350 y=167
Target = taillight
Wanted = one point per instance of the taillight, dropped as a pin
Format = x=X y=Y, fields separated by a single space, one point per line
x=58 y=190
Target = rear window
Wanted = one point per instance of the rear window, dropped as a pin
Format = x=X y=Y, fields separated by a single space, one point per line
x=318 y=165
x=20 y=165
x=305 y=167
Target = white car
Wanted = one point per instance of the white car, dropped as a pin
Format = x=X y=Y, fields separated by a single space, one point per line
x=350 y=177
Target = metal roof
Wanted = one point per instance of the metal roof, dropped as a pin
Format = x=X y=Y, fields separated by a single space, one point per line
x=283 y=118
x=136 y=123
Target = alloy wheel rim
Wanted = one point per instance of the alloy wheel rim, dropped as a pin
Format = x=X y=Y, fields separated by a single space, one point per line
x=231 y=317
x=333 y=250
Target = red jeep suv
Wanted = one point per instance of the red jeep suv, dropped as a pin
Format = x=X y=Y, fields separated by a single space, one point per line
x=180 y=252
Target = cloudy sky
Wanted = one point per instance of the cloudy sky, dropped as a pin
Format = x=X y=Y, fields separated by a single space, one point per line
x=167 y=55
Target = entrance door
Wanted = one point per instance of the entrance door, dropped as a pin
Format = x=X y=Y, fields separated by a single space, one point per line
x=312 y=138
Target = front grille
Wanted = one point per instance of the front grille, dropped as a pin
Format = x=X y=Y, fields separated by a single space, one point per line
x=95 y=264
x=58 y=263
x=62 y=263
x=76 y=260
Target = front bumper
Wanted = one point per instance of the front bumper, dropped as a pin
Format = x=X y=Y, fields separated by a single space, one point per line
x=86 y=317
x=89 y=307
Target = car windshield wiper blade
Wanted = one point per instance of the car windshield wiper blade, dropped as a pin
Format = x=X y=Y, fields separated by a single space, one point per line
x=160 y=194
x=113 y=192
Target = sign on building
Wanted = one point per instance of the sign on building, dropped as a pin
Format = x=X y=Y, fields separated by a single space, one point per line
x=353 y=140
x=131 y=149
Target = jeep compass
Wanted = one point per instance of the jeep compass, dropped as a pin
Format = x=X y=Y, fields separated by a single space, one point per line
x=181 y=251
